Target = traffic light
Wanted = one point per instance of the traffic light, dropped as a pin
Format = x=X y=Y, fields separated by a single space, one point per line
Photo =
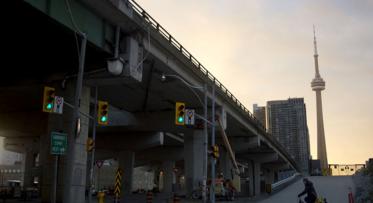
x=102 y=114
x=48 y=99
x=215 y=151
x=180 y=113
x=90 y=144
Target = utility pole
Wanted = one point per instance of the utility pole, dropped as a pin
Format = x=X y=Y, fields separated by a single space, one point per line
x=68 y=195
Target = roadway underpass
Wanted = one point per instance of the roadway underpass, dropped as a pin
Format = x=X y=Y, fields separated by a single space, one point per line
x=141 y=129
x=333 y=188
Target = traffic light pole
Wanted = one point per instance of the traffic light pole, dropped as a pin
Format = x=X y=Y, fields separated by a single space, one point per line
x=205 y=160
x=55 y=179
x=94 y=147
x=213 y=161
x=68 y=195
x=205 y=132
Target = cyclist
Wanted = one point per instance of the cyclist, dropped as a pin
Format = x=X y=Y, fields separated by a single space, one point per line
x=309 y=190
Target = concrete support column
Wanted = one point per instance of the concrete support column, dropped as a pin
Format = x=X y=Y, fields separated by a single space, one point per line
x=127 y=163
x=226 y=164
x=168 y=176
x=47 y=170
x=193 y=150
x=269 y=176
x=28 y=168
x=250 y=174
x=75 y=182
x=256 y=177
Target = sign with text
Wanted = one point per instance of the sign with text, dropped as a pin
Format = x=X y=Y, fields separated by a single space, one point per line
x=58 y=143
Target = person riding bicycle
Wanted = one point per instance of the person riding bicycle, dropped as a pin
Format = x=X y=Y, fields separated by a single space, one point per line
x=309 y=190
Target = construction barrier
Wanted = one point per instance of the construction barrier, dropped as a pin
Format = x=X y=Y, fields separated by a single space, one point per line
x=118 y=184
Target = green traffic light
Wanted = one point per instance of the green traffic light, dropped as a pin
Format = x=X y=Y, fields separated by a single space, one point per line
x=180 y=119
x=103 y=119
x=49 y=106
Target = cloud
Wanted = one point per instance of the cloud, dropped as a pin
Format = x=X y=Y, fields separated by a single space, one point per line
x=263 y=50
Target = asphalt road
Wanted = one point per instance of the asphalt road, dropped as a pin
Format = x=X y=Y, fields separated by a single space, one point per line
x=333 y=188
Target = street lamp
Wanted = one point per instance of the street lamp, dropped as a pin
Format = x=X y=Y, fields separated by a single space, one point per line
x=204 y=118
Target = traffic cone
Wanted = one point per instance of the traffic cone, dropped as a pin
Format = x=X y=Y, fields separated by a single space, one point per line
x=149 y=197
x=350 y=197
x=176 y=199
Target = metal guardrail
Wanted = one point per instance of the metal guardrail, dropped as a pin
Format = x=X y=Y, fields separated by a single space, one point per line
x=197 y=65
x=282 y=183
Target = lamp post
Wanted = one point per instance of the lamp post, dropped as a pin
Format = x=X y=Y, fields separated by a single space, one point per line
x=205 y=119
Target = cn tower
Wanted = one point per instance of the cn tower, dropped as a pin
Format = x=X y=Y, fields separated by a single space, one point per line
x=318 y=85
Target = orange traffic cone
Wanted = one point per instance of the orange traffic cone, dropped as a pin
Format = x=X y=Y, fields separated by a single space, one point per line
x=350 y=196
x=176 y=199
x=149 y=197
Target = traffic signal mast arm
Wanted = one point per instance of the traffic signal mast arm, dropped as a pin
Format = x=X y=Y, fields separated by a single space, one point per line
x=84 y=114
x=203 y=118
x=72 y=106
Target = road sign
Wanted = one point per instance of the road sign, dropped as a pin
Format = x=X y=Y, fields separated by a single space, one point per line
x=58 y=143
x=58 y=105
x=118 y=183
x=189 y=116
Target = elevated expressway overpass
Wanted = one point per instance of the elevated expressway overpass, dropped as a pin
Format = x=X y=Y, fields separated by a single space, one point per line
x=141 y=132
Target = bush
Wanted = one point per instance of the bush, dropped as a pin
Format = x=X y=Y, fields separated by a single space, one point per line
x=363 y=180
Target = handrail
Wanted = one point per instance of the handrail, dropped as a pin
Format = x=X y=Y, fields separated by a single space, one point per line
x=197 y=65
x=284 y=182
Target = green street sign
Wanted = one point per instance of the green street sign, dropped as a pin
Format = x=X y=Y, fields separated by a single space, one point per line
x=58 y=143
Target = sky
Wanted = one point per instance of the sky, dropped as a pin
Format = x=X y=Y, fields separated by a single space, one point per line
x=262 y=50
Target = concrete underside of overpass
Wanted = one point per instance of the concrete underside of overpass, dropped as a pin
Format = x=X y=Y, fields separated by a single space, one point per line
x=44 y=51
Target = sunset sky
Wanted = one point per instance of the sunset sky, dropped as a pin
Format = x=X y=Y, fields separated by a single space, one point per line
x=263 y=50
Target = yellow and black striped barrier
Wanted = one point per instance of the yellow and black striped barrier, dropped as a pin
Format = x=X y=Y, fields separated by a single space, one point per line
x=118 y=184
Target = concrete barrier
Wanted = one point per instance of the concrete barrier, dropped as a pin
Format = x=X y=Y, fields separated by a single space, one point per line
x=285 y=182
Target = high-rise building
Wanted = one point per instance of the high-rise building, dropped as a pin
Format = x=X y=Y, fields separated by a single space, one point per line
x=318 y=85
x=287 y=122
x=260 y=114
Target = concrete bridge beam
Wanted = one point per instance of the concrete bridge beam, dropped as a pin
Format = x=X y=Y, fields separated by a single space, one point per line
x=242 y=144
x=261 y=157
x=129 y=141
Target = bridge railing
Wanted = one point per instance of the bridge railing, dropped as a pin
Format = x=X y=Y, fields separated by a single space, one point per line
x=197 y=65
x=188 y=55
x=283 y=183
